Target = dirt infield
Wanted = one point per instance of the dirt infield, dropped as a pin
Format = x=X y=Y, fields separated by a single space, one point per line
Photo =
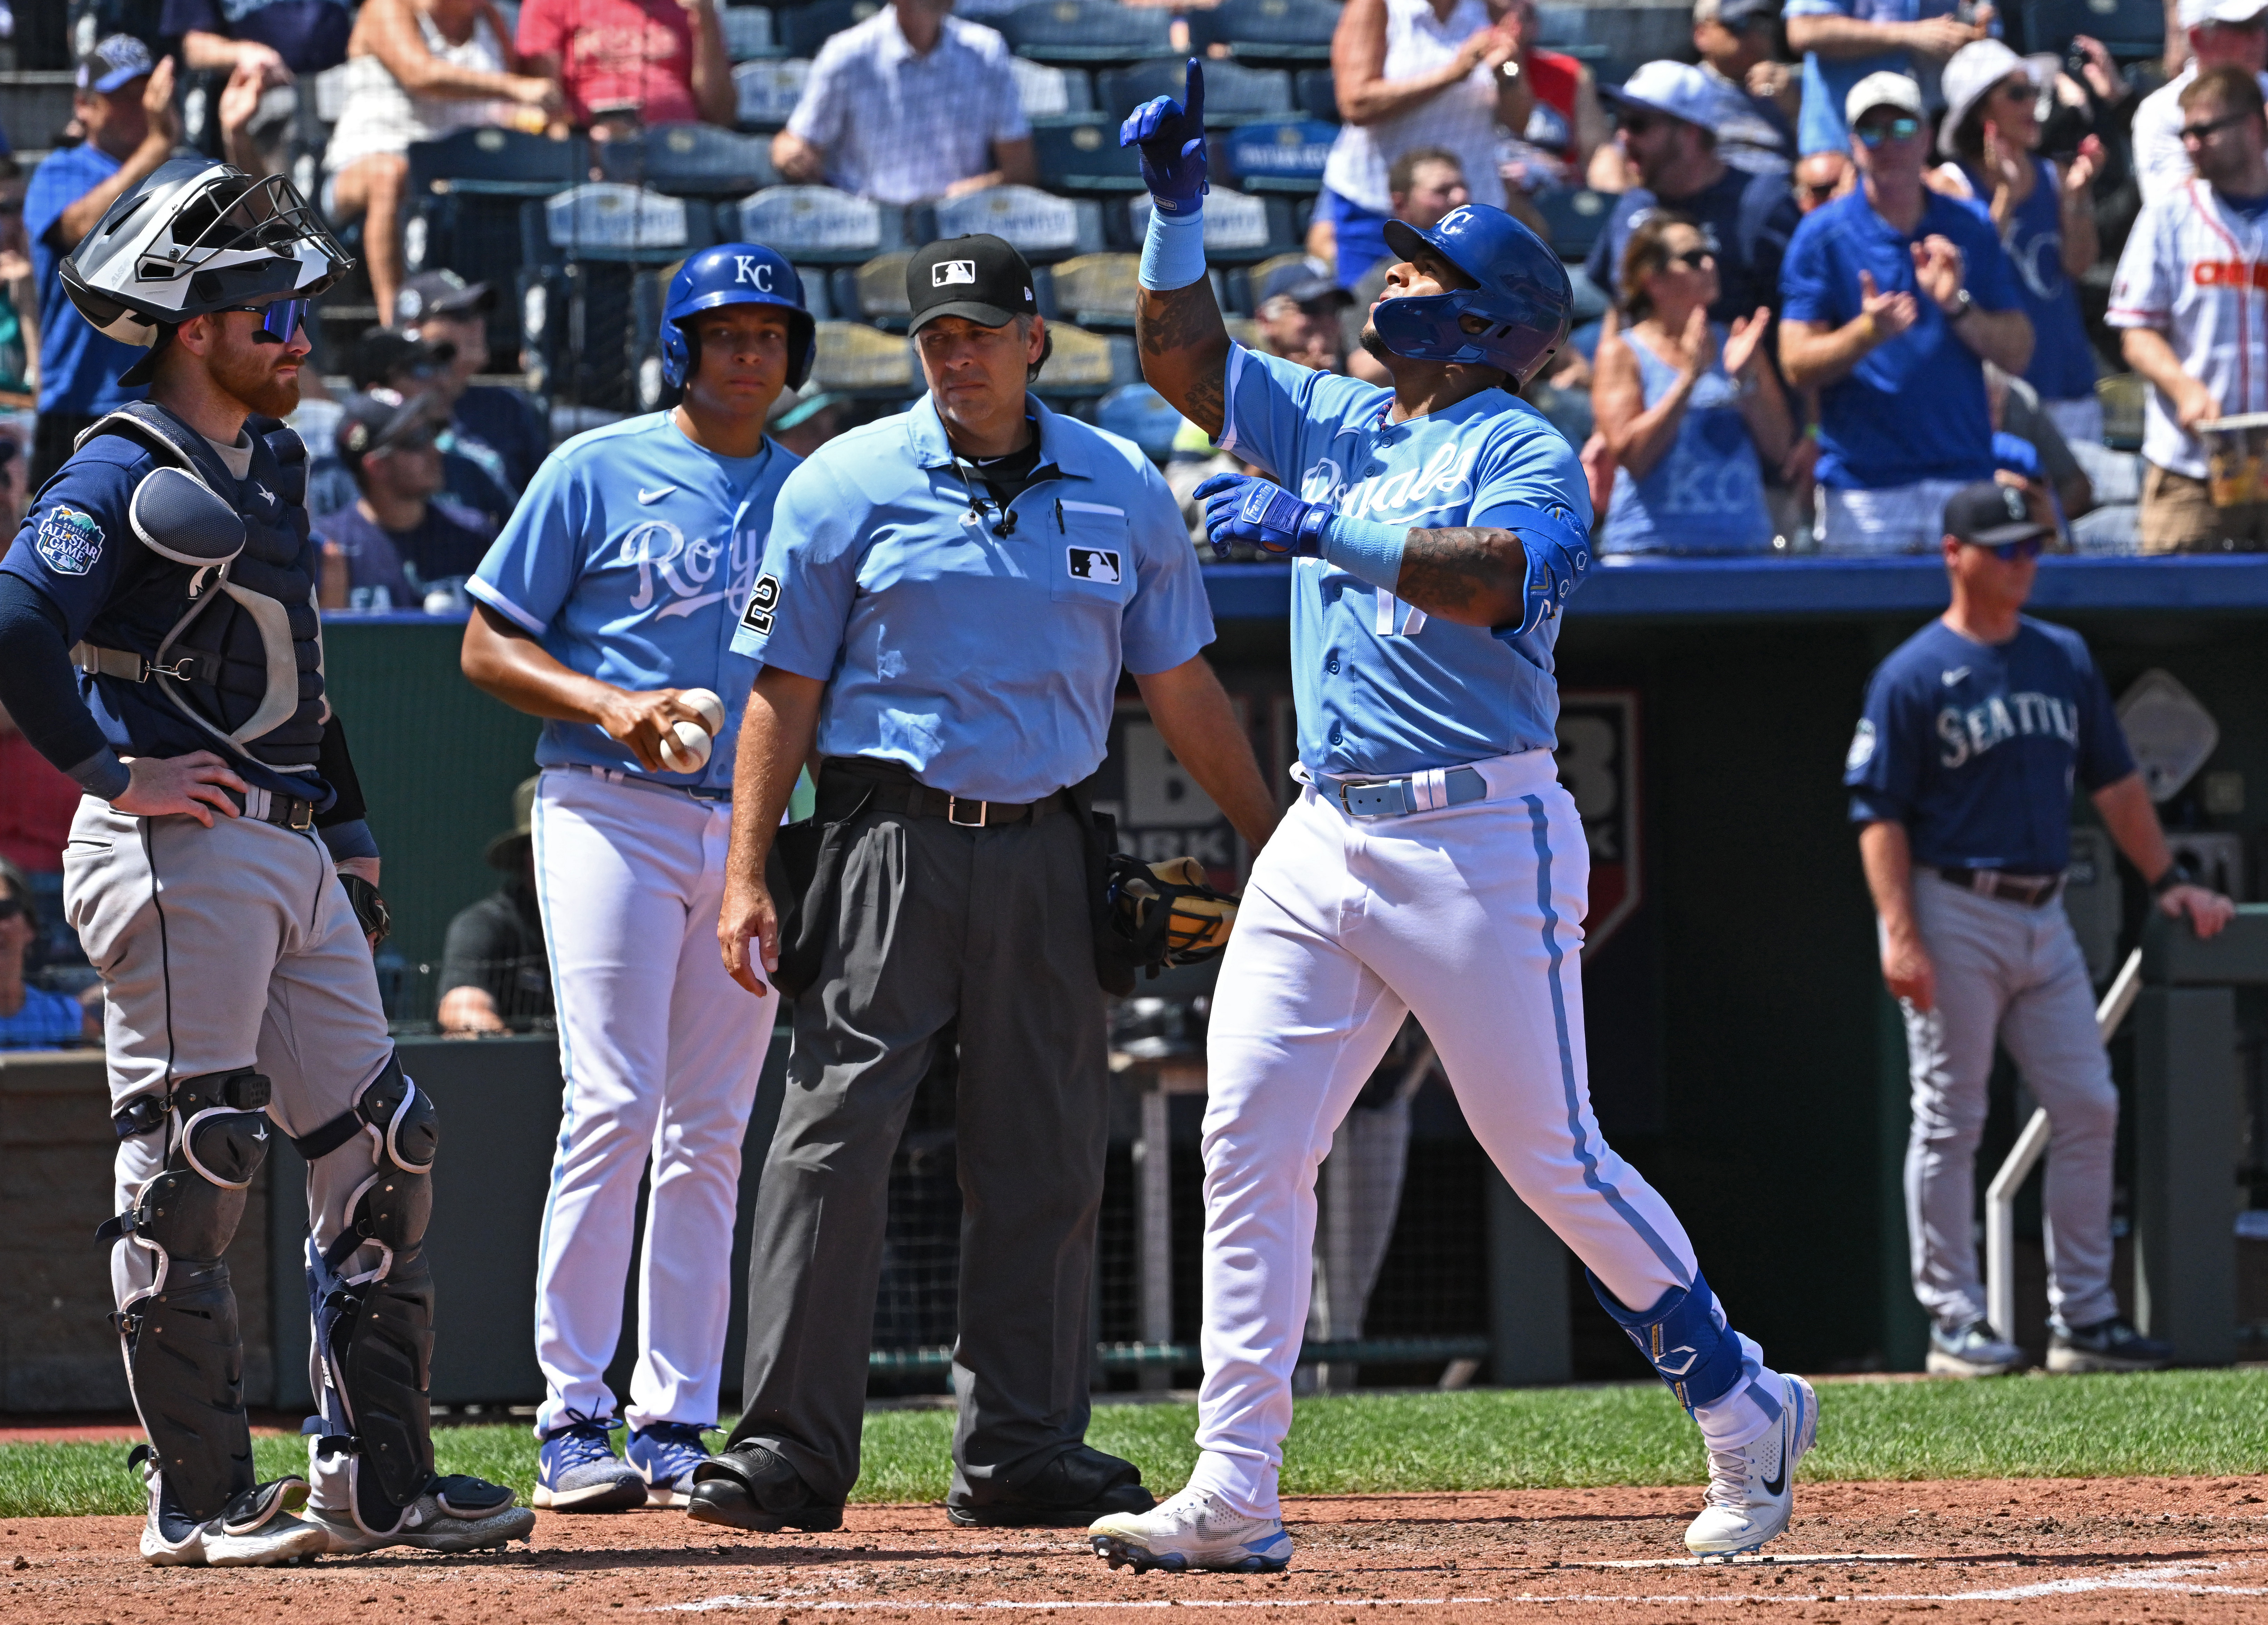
x=2158 y=1550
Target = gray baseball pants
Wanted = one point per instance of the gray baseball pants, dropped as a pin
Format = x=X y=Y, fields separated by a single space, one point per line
x=931 y=921
x=2013 y=975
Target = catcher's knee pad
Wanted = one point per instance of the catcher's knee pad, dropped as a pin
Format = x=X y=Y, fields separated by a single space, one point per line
x=1684 y=1338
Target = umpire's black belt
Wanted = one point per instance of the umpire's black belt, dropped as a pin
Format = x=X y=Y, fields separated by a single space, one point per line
x=266 y=806
x=2032 y=891
x=896 y=791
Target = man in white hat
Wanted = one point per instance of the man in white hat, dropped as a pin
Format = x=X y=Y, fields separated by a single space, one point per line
x=1893 y=298
x=2231 y=33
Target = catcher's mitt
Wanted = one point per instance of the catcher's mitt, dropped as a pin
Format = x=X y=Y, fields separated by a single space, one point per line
x=1166 y=912
x=369 y=907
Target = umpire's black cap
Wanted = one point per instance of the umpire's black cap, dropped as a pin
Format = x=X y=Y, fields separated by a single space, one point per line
x=980 y=278
x=1989 y=514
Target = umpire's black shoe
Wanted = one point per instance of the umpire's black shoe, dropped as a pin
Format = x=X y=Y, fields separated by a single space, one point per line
x=1074 y=1489
x=748 y=1486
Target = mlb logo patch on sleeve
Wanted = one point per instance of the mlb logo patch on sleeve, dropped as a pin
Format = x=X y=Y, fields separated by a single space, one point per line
x=69 y=540
x=763 y=597
x=1095 y=564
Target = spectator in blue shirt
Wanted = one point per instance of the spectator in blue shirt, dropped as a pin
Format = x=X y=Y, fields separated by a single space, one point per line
x=126 y=107
x=1845 y=41
x=1893 y=297
x=32 y=1017
x=282 y=39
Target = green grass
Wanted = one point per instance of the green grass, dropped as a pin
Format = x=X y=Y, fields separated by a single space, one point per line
x=2199 y=1422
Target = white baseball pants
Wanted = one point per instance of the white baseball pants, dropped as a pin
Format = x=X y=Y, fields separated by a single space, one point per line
x=661 y=1052
x=1470 y=917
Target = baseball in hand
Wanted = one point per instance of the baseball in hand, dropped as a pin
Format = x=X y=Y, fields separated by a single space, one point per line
x=685 y=747
x=712 y=709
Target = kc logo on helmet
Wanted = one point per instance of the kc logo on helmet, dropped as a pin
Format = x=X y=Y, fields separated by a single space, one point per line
x=748 y=268
x=945 y=273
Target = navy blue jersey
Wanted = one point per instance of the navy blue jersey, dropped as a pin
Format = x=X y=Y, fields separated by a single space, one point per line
x=1975 y=747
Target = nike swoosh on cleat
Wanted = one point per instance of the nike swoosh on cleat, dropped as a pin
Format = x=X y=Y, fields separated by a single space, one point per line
x=645 y=495
x=1777 y=1487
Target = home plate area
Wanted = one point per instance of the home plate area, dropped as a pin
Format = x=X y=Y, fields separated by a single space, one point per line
x=2155 y=1550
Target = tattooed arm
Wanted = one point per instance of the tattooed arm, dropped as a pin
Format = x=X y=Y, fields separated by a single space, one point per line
x=1471 y=575
x=1184 y=349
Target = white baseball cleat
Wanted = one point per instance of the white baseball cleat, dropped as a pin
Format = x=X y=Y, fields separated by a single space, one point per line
x=1192 y=1530
x=258 y=1528
x=455 y=1514
x=1752 y=1489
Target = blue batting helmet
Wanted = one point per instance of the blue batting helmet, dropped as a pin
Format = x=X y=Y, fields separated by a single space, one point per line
x=735 y=273
x=1524 y=295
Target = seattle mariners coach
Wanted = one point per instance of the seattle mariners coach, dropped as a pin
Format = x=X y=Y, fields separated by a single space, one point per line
x=946 y=603
x=1433 y=864
x=1960 y=775
x=607 y=607
x=169 y=560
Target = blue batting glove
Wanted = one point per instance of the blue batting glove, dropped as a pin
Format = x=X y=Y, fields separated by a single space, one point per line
x=1173 y=145
x=1262 y=514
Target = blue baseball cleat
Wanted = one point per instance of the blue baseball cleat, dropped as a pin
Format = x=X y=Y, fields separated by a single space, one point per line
x=578 y=1471
x=664 y=1454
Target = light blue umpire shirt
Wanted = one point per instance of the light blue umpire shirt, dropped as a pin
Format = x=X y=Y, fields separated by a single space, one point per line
x=988 y=665
x=1382 y=688
x=629 y=560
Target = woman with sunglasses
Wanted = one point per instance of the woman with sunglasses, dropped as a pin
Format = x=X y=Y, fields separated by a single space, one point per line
x=1688 y=409
x=2045 y=214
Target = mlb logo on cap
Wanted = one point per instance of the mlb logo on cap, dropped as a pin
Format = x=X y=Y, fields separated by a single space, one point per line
x=978 y=278
x=945 y=273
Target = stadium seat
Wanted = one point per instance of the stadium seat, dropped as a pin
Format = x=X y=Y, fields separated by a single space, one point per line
x=1140 y=413
x=462 y=212
x=623 y=224
x=1085 y=364
x=1085 y=31
x=765 y=92
x=1317 y=94
x=1083 y=155
x=2130 y=30
x=1098 y=290
x=1576 y=216
x=878 y=292
x=864 y=361
x=690 y=160
x=1050 y=92
x=501 y=162
x=816 y=225
x=1238 y=229
x=1234 y=95
x=800 y=30
x=595 y=257
x=747 y=33
x=1288 y=32
x=1279 y=156
x=1040 y=226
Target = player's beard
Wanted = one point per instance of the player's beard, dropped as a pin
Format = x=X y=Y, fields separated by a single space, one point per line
x=248 y=373
x=1376 y=346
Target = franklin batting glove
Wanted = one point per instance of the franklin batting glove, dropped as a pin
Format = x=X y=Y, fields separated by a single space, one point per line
x=1261 y=514
x=1172 y=140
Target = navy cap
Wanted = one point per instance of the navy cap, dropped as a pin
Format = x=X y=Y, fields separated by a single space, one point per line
x=439 y=293
x=1301 y=283
x=1989 y=514
x=116 y=60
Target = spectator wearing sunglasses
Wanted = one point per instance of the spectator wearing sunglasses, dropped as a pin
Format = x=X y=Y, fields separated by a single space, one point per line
x=2222 y=33
x=1821 y=178
x=1894 y=298
x=395 y=548
x=32 y=1018
x=2190 y=295
x=1960 y=772
x=1668 y=112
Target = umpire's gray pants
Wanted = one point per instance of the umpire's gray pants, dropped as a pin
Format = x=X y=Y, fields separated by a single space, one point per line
x=2016 y=974
x=931 y=921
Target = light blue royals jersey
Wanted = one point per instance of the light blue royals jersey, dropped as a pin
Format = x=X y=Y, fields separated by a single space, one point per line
x=1382 y=688
x=629 y=560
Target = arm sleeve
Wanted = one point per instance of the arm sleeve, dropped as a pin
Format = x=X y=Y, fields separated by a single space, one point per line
x=530 y=571
x=820 y=111
x=2103 y=756
x=345 y=825
x=38 y=690
x=2142 y=292
x=1805 y=282
x=1882 y=769
x=811 y=573
x=1169 y=618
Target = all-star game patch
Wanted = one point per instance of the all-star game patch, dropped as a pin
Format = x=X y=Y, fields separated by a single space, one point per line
x=69 y=540
x=1095 y=564
x=763 y=597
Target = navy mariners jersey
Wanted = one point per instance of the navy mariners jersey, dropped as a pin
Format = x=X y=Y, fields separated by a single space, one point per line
x=629 y=560
x=1381 y=686
x=1975 y=747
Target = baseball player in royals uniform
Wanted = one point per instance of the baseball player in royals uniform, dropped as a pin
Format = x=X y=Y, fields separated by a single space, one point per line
x=1432 y=864
x=607 y=607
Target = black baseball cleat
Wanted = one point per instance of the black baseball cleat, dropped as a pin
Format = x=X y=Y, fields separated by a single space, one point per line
x=748 y=1486
x=1070 y=1492
x=2108 y=1345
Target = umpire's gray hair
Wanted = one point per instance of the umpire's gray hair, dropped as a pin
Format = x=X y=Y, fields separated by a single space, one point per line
x=1047 y=346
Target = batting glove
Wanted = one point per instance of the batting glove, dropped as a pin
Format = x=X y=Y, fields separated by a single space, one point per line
x=1172 y=146
x=1261 y=514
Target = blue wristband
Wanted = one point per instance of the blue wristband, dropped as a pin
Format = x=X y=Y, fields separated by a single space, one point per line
x=1360 y=547
x=1172 y=250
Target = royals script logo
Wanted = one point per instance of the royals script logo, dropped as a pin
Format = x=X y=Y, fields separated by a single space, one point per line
x=682 y=575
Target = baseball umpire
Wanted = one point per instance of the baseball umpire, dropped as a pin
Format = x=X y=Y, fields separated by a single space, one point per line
x=607 y=607
x=169 y=561
x=1961 y=774
x=1433 y=865
x=945 y=605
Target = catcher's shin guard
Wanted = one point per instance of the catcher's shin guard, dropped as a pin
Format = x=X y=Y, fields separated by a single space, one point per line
x=184 y=1357
x=374 y=1326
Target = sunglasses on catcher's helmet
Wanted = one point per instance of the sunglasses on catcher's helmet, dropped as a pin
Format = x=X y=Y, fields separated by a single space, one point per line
x=279 y=319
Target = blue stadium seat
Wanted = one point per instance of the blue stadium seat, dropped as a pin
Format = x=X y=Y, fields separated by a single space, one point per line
x=462 y=212
x=1083 y=155
x=1316 y=95
x=607 y=221
x=857 y=360
x=1576 y=216
x=1051 y=92
x=747 y=33
x=1288 y=32
x=1279 y=155
x=690 y=160
x=765 y=92
x=1085 y=31
x=1238 y=229
x=1140 y=413
x=2130 y=30
x=800 y=30
x=503 y=162
x=1232 y=95
x=1040 y=226
x=816 y=225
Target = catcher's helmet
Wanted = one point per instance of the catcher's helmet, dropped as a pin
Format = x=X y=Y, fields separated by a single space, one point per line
x=197 y=236
x=1524 y=295
x=735 y=273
